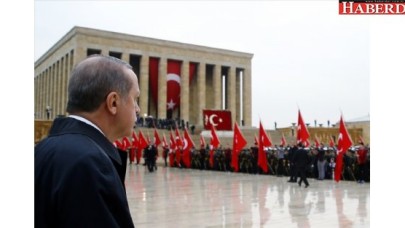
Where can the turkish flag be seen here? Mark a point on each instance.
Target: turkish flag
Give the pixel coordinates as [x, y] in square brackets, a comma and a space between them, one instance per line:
[302, 131]
[213, 144]
[133, 147]
[135, 142]
[344, 143]
[202, 141]
[156, 138]
[179, 140]
[173, 84]
[173, 149]
[238, 143]
[126, 143]
[264, 141]
[188, 145]
[283, 141]
[142, 141]
[118, 144]
[256, 141]
[220, 119]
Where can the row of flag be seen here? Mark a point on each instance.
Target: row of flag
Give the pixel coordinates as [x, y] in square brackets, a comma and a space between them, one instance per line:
[185, 143]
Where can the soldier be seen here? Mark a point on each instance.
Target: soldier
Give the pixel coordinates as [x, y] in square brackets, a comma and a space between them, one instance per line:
[280, 163]
[293, 169]
[165, 154]
[321, 163]
[361, 162]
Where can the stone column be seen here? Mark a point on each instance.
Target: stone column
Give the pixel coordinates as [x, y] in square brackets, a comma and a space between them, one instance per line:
[57, 88]
[36, 96]
[201, 93]
[51, 91]
[162, 88]
[231, 93]
[247, 96]
[144, 85]
[217, 86]
[185, 91]
[238, 102]
[45, 93]
[64, 84]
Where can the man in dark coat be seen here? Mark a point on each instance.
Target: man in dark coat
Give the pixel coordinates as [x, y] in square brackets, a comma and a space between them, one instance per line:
[150, 156]
[301, 160]
[293, 167]
[77, 167]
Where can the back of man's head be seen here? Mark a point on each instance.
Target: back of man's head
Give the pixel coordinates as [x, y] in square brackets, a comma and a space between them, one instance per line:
[93, 79]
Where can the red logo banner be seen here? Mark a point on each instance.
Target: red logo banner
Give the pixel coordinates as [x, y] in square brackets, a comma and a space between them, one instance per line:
[220, 119]
[372, 7]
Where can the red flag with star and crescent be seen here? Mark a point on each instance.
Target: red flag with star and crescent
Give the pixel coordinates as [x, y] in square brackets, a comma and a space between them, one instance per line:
[188, 145]
[173, 149]
[173, 84]
[179, 140]
[156, 138]
[213, 145]
[344, 143]
[142, 141]
[238, 143]
[134, 146]
[220, 119]
[264, 141]
[302, 131]
[173, 78]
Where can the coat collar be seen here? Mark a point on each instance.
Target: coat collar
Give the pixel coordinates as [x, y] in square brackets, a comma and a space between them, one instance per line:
[68, 125]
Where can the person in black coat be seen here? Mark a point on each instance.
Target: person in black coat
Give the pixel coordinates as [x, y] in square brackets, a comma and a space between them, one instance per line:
[293, 168]
[150, 156]
[301, 160]
[77, 167]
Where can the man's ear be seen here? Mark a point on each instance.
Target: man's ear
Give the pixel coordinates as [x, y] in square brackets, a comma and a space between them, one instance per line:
[112, 102]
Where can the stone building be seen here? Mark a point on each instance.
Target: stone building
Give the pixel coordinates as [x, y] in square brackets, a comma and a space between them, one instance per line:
[209, 78]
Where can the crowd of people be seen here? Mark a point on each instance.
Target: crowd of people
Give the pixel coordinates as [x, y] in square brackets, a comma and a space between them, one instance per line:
[317, 162]
[168, 124]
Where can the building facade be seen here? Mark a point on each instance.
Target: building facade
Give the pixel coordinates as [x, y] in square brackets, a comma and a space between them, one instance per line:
[203, 77]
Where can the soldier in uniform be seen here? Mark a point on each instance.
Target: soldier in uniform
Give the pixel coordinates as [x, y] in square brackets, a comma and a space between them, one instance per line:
[321, 163]
[280, 161]
[361, 162]
[166, 151]
[293, 169]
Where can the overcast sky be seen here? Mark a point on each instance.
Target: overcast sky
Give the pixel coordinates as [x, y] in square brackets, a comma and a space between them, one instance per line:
[305, 55]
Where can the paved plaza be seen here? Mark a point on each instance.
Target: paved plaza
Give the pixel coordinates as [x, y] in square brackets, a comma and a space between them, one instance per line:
[173, 197]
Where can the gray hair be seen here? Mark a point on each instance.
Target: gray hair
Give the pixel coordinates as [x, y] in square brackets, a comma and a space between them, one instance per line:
[93, 79]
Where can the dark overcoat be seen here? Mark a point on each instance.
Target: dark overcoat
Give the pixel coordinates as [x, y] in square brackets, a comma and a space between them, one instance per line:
[76, 179]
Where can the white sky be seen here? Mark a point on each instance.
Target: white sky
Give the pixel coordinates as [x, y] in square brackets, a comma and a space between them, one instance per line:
[305, 54]
[303, 45]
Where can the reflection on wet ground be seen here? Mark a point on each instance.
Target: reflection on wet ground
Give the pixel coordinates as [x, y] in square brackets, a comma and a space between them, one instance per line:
[172, 197]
